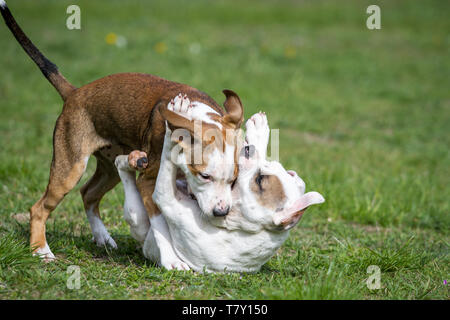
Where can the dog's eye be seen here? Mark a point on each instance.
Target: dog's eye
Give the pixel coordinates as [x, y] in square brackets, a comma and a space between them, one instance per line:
[258, 180]
[205, 176]
[249, 151]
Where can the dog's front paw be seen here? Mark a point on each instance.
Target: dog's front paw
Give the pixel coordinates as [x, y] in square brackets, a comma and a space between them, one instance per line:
[257, 131]
[45, 253]
[138, 160]
[175, 264]
[181, 105]
[104, 239]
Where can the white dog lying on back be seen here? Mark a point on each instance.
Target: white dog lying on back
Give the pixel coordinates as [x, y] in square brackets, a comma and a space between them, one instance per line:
[267, 202]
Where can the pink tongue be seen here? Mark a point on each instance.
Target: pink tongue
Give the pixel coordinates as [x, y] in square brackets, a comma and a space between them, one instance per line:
[295, 212]
[308, 199]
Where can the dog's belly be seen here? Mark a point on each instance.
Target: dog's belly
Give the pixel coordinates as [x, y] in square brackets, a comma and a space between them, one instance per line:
[205, 247]
[235, 253]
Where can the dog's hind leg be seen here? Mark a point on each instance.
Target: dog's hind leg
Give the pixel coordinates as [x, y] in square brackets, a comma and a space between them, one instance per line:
[104, 179]
[70, 156]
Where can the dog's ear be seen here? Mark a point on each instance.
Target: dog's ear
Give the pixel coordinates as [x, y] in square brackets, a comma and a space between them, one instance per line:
[176, 121]
[233, 106]
[181, 127]
[288, 218]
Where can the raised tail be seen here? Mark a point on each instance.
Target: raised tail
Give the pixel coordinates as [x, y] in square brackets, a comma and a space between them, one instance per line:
[47, 67]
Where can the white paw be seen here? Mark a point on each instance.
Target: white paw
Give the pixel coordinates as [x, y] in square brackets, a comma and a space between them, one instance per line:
[181, 105]
[101, 236]
[257, 131]
[45, 253]
[103, 239]
[175, 264]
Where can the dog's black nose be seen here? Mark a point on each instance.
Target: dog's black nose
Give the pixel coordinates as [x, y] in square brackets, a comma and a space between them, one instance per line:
[219, 212]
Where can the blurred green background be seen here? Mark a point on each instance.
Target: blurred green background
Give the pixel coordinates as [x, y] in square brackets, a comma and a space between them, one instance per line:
[363, 118]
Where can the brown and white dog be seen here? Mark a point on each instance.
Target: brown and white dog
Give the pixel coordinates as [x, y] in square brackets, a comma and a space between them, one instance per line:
[268, 201]
[115, 115]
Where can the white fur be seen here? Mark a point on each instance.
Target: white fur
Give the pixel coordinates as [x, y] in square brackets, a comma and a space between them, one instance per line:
[161, 239]
[153, 233]
[100, 235]
[200, 112]
[257, 133]
[45, 253]
[133, 209]
[3, 4]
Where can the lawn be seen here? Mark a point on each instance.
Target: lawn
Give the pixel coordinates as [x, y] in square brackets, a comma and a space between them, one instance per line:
[363, 116]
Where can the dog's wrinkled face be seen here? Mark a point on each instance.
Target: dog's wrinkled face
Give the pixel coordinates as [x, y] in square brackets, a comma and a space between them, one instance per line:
[274, 197]
[269, 191]
[208, 144]
[280, 196]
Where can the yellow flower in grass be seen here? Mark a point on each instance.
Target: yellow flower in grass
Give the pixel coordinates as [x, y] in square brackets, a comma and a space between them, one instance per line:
[111, 38]
[160, 47]
[290, 52]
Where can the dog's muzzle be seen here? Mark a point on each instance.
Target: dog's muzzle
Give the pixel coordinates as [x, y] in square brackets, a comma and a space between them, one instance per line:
[221, 212]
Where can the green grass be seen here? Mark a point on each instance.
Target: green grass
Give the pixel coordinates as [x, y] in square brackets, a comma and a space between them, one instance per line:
[363, 117]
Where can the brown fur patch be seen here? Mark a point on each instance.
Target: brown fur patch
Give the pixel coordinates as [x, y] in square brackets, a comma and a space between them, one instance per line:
[196, 168]
[268, 192]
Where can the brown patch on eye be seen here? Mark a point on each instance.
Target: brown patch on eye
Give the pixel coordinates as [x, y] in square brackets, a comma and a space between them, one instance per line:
[196, 168]
[268, 191]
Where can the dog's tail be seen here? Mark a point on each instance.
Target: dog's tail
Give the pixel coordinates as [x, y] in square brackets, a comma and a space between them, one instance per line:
[49, 69]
